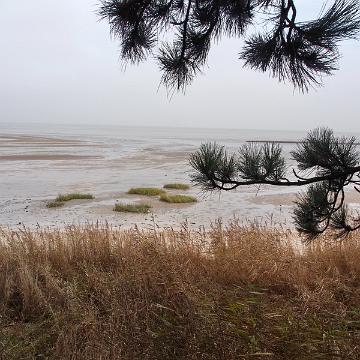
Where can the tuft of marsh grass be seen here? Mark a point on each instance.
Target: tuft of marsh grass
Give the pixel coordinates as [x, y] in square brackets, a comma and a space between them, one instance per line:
[132, 208]
[146, 191]
[177, 199]
[177, 186]
[97, 292]
[54, 204]
[73, 196]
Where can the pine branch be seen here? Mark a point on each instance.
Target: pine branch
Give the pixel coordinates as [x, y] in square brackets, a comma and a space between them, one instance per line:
[299, 52]
[335, 163]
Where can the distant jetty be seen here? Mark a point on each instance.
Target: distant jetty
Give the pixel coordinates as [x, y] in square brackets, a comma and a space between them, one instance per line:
[275, 141]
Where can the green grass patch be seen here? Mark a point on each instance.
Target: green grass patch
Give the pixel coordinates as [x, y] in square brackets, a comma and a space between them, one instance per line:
[74, 196]
[177, 199]
[177, 186]
[54, 204]
[146, 191]
[132, 208]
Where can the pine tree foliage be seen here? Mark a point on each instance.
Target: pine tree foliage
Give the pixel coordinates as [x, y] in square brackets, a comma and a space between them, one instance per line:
[300, 52]
[326, 165]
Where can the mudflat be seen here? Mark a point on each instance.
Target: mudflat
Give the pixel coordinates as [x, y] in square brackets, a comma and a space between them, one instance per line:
[37, 168]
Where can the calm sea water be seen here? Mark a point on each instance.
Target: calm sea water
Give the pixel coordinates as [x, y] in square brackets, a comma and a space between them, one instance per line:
[129, 138]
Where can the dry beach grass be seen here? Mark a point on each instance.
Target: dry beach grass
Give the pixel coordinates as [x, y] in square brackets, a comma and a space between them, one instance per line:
[96, 292]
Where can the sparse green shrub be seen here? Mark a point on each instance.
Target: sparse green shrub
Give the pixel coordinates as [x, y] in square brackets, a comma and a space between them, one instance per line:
[177, 186]
[132, 208]
[74, 196]
[146, 191]
[54, 204]
[177, 199]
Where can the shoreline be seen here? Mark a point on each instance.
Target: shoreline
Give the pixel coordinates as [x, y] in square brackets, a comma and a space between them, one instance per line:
[35, 170]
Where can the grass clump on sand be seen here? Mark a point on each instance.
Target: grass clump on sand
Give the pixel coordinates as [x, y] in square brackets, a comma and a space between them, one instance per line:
[177, 186]
[54, 204]
[146, 191]
[97, 292]
[177, 199]
[132, 208]
[74, 196]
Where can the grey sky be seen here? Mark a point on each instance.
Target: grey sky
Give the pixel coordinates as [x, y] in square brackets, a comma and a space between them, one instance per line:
[59, 65]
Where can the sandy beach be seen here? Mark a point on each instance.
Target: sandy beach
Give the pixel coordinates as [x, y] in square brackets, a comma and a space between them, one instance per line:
[36, 168]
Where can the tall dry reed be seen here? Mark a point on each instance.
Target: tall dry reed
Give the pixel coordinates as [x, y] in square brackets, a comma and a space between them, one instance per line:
[97, 292]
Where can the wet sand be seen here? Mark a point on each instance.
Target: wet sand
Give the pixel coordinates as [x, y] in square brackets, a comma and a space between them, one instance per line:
[37, 157]
[35, 169]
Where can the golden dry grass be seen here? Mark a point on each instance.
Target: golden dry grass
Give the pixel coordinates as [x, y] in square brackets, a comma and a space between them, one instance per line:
[231, 293]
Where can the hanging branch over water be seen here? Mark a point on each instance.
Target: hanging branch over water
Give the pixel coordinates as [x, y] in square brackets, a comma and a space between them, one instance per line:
[300, 52]
[326, 163]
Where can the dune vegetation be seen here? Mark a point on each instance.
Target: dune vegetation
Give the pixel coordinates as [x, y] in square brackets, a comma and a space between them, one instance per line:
[54, 204]
[132, 208]
[177, 199]
[177, 186]
[62, 198]
[147, 191]
[231, 292]
[74, 196]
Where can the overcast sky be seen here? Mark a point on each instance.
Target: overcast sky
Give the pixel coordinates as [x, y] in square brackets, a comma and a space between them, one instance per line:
[58, 64]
